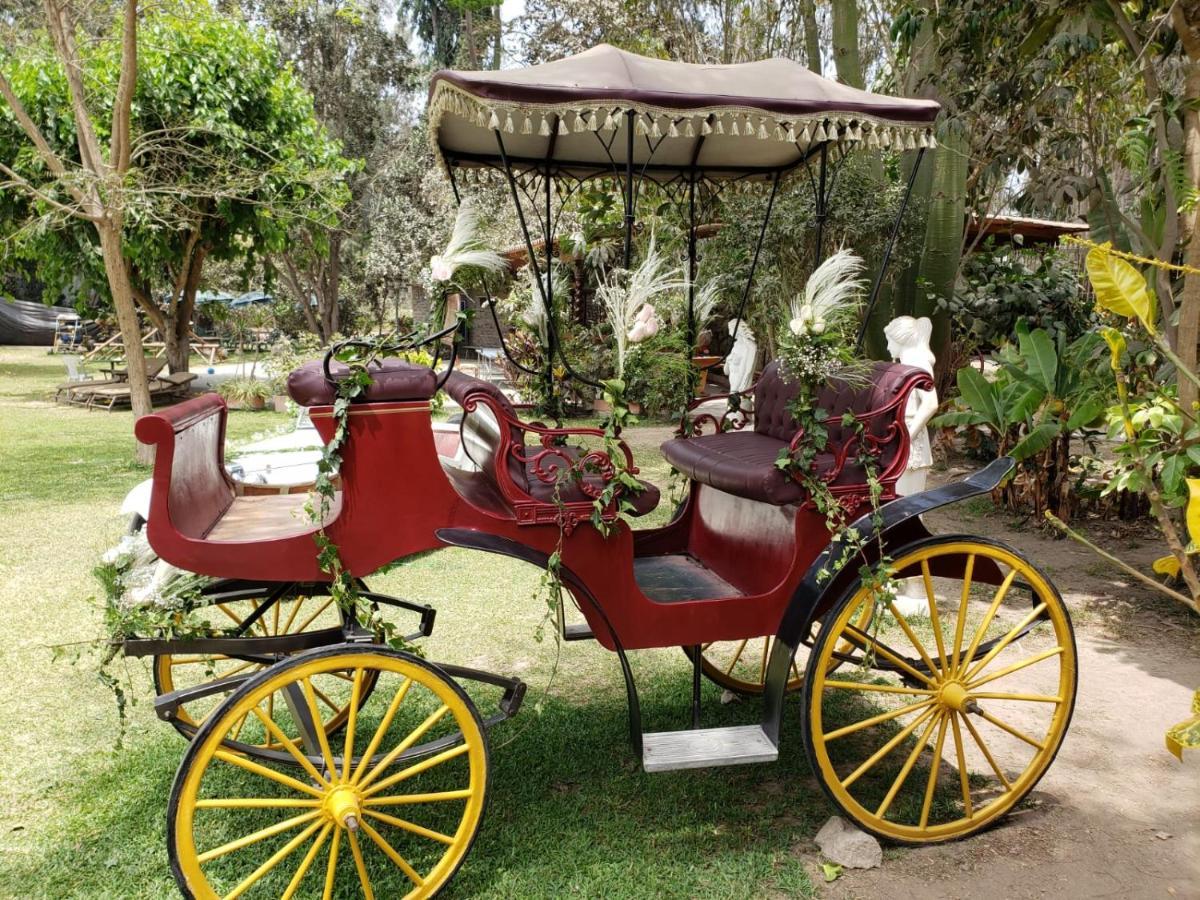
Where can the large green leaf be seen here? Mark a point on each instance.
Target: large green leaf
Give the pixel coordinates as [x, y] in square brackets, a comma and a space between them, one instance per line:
[1086, 412]
[980, 395]
[1040, 357]
[1119, 287]
[1037, 440]
[1019, 401]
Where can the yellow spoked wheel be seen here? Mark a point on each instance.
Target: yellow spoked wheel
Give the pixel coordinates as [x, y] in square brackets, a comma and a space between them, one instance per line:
[945, 713]
[389, 809]
[741, 666]
[293, 614]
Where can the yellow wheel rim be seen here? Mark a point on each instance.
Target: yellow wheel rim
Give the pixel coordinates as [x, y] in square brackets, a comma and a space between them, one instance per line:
[741, 666]
[946, 719]
[290, 615]
[390, 808]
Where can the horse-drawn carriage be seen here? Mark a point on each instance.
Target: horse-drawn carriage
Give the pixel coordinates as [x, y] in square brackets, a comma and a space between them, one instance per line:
[322, 761]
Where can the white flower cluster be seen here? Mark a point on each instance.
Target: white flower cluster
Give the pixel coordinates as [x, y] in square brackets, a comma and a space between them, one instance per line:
[808, 360]
[807, 322]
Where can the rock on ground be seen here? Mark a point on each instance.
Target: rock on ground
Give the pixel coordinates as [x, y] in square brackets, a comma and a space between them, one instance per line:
[845, 845]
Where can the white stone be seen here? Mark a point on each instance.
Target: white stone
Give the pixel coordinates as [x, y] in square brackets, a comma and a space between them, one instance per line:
[845, 845]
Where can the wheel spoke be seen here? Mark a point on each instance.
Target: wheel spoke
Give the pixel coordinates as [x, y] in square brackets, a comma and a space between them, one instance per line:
[762, 672]
[286, 743]
[432, 719]
[306, 863]
[1015, 667]
[286, 780]
[935, 619]
[237, 620]
[287, 626]
[318, 726]
[418, 768]
[254, 837]
[1001, 592]
[907, 768]
[193, 660]
[882, 688]
[867, 643]
[986, 753]
[912, 637]
[963, 604]
[384, 725]
[324, 698]
[324, 606]
[963, 775]
[934, 765]
[403, 799]
[395, 857]
[255, 803]
[1015, 732]
[279, 856]
[360, 866]
[889, 746]
[875, 720]
[351, 721]
[1001, 695]
[275, 610]
[1005, 641]
[412, 827]
[737, 656]
[331, 866]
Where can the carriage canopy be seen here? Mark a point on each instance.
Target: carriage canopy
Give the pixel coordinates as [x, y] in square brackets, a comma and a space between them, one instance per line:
[733, 121]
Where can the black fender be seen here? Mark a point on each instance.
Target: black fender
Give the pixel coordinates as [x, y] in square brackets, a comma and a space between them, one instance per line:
[898, 526]
[470, 539]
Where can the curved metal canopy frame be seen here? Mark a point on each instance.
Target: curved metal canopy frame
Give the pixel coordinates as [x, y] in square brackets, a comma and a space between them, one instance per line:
[625, 147]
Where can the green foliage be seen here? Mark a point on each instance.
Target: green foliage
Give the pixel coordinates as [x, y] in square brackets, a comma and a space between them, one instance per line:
[1001, 286]
[225, 143]
[657, 373]
[1044, 392]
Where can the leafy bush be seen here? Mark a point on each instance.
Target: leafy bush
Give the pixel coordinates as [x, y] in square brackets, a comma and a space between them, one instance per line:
[657, 373]
[1045, 391]
[1002, 286]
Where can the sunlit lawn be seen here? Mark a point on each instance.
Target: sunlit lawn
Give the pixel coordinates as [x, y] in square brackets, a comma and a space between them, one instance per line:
[570, 813]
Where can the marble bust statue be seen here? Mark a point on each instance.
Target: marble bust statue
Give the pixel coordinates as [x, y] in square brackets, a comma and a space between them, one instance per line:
[739, 365]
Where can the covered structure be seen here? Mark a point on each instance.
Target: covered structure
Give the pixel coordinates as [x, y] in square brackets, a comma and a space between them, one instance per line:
[691, 130]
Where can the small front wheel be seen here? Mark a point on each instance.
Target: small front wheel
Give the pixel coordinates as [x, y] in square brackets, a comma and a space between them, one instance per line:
[388, 809]
[942, 719]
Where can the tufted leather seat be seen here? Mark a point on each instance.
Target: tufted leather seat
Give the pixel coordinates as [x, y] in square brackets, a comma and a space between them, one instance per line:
[481, 436]
[392, 380]
[743, 462]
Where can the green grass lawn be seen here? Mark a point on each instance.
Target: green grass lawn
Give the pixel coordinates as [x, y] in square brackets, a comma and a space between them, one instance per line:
[570, 813]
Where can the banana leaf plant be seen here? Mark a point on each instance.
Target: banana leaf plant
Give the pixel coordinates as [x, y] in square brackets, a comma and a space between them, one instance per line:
[1043, 392]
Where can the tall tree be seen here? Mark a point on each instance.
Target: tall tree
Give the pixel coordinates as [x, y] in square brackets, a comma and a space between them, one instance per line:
[88, 188]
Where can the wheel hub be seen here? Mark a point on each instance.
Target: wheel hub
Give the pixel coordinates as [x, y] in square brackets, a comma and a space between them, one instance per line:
[344, 805]
[953, 695]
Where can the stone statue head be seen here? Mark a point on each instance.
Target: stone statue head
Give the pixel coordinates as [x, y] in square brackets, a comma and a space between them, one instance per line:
[908, 341]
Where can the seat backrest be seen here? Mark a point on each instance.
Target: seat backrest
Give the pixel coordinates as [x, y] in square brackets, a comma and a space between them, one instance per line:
[883, 388]
[481, 428]
[392, 380]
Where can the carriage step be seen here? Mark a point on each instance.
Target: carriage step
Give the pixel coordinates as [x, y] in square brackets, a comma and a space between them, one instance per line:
[580, 631]
[699, 748]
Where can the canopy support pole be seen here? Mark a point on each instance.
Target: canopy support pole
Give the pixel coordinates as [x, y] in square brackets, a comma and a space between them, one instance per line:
[629, 214]
[691, 249]
[548, 294]
[821, 209]
[758, 245]
[887, 252]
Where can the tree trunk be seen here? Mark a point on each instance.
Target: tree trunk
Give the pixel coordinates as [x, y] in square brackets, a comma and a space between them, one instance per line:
[812, 36]
[943, 244]
[1188, 333]
[131, 328]
[845, 42]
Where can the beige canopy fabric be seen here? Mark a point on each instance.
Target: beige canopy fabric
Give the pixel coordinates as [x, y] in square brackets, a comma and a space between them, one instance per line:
[730, 121]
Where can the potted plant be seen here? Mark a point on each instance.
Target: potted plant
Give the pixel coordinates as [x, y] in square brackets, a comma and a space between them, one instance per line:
[245, 393]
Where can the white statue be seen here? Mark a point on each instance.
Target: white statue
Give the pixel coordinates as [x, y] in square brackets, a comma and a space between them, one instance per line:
[739, 364]
[908, 343]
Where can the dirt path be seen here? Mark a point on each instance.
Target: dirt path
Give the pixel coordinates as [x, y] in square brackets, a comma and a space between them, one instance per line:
[1116, 815]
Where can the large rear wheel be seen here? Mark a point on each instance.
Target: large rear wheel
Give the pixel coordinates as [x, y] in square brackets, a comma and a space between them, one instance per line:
[390, 808]
[937, 725]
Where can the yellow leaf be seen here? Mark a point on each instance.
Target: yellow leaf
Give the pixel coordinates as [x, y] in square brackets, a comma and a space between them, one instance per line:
[1193, 511]
[1119, 287]
[1166, 565]
[1116, 345]
[1185, 735]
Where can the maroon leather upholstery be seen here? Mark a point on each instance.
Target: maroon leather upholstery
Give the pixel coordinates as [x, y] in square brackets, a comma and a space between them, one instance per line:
[743, 462]
[393, 379]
